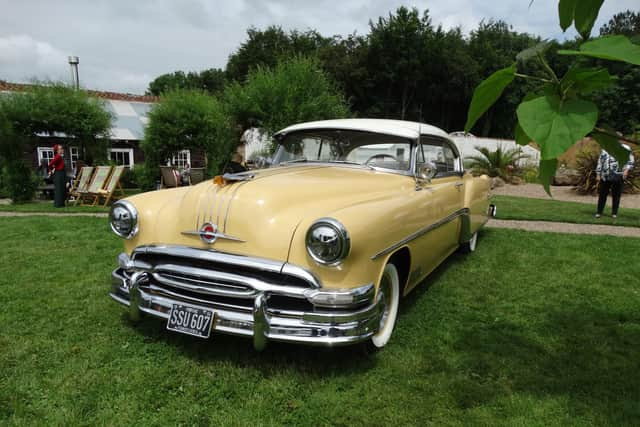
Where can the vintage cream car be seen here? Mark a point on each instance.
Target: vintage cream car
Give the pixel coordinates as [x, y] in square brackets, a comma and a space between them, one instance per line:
[315, 249]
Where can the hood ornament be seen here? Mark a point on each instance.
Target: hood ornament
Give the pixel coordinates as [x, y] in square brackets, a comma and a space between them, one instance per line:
[209, 234]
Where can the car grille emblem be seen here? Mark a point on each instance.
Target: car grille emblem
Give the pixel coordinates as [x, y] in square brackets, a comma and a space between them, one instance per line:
[209, 232]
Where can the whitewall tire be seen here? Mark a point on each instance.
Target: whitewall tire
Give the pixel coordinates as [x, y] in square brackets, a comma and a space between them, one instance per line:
[389, 297]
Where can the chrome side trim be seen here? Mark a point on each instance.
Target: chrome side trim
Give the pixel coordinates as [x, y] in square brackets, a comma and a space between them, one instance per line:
[217, 235]
[262, 264]
[464, 212]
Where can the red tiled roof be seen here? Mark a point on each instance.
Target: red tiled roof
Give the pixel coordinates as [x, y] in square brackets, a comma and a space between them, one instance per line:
[21, 87]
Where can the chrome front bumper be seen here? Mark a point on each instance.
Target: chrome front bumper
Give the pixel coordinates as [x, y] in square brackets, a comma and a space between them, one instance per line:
[286, 304]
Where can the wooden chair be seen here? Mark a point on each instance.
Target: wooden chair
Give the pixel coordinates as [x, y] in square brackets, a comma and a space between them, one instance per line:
[112, 185]
[81, 182]
[168, 177]
[98, 181]
[197, 175]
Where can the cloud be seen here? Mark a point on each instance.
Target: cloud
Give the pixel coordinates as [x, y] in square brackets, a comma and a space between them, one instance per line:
[124, 44]
[24, 58]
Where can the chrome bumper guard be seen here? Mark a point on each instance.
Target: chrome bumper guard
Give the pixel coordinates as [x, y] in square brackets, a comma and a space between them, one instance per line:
[243, 301]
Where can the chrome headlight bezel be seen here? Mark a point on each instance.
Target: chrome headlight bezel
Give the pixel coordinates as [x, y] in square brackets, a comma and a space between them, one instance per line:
[336, 229]
[132, 216]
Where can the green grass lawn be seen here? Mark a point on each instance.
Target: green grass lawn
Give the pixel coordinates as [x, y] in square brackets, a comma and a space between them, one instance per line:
[531, 329]
[47, 206]
[523, 208]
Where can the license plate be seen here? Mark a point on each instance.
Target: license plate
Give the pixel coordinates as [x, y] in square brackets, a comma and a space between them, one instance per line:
[191, 320]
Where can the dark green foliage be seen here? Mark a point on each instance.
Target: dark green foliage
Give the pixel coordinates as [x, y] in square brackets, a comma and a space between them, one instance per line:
[16, 178]
[625, 23]
[185, 120]
[18, 181]
[294, 91]
[211, 81]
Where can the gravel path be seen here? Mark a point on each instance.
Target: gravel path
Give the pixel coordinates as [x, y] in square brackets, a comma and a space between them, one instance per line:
[535, 191]
[565, 227]
[94, 214]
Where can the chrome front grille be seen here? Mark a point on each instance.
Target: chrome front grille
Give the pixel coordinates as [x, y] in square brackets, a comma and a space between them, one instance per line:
[203, 277]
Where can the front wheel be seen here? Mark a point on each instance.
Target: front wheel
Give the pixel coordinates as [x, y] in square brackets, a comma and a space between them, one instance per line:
[389, 297]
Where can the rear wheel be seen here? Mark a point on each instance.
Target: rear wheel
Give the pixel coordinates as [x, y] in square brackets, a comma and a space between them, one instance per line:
[389, 297]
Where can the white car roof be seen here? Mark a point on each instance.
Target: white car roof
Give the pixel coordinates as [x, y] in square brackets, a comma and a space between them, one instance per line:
[401, 128]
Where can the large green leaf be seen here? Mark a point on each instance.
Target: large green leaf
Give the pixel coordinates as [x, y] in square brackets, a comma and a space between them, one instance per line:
[547, 170]
[566, 10]
[521, 137]
[585, 80]
[612, 146]
[487, 93]
[614, 48]
[555, 125]
[585, 15]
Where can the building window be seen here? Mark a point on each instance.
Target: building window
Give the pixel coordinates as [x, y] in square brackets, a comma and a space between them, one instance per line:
[74, 152]
[121, 156]
[46, 154]
[181, 159]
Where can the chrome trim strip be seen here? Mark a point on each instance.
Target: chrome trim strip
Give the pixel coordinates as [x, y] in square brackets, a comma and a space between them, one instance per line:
[461, 212]
[261, 264]
[226, 215]
[217, 235]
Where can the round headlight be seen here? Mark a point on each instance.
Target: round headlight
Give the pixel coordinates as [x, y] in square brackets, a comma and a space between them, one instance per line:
[327, 241]
[123, 218]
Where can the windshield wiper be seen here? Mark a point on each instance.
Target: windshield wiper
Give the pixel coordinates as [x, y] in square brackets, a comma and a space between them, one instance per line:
[302, 160]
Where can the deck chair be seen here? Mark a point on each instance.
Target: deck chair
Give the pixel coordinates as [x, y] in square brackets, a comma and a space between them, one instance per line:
[113, 184]
[168, 177]
[98, 182]
[81, 182]
[197, 175]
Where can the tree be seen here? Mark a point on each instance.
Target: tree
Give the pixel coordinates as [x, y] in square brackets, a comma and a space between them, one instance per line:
[493, 45]
[625, 23]
[560, 112]
[55, 108]
[396, 49]
[294, 91]
[186, 119]
[211, 81]
[265, 48]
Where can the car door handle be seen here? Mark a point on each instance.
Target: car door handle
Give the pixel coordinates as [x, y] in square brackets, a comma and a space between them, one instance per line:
[459, 184]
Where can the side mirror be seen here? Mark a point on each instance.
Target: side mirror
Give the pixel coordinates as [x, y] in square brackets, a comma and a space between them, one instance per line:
[425, 172]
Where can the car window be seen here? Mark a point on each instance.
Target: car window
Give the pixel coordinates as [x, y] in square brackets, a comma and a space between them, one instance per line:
[440, 153]
[345, 146]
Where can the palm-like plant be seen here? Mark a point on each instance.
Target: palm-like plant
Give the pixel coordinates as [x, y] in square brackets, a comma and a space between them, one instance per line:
[500, 162]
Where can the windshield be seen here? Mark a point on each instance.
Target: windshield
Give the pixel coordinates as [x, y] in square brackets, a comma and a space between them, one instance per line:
[344, 146]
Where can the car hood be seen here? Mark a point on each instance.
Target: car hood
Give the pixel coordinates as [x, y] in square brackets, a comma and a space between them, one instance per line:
[260, 215]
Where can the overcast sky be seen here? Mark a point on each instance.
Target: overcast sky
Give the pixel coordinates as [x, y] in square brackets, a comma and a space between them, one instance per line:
[124, 44]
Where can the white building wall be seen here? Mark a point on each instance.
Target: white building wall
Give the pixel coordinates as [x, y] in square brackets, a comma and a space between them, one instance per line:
[467, 147]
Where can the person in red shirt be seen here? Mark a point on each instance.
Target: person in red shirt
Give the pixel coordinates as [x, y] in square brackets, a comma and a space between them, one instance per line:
[56, 168]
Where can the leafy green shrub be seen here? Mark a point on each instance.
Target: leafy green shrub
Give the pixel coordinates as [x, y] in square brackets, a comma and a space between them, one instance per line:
[19, 182]
[530, 174]
[186, 120]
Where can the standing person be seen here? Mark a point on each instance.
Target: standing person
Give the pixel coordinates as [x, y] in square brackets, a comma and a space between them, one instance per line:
[611, 177]
[56, 167]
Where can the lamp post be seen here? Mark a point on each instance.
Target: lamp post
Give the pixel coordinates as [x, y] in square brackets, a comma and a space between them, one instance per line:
[75, 81]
